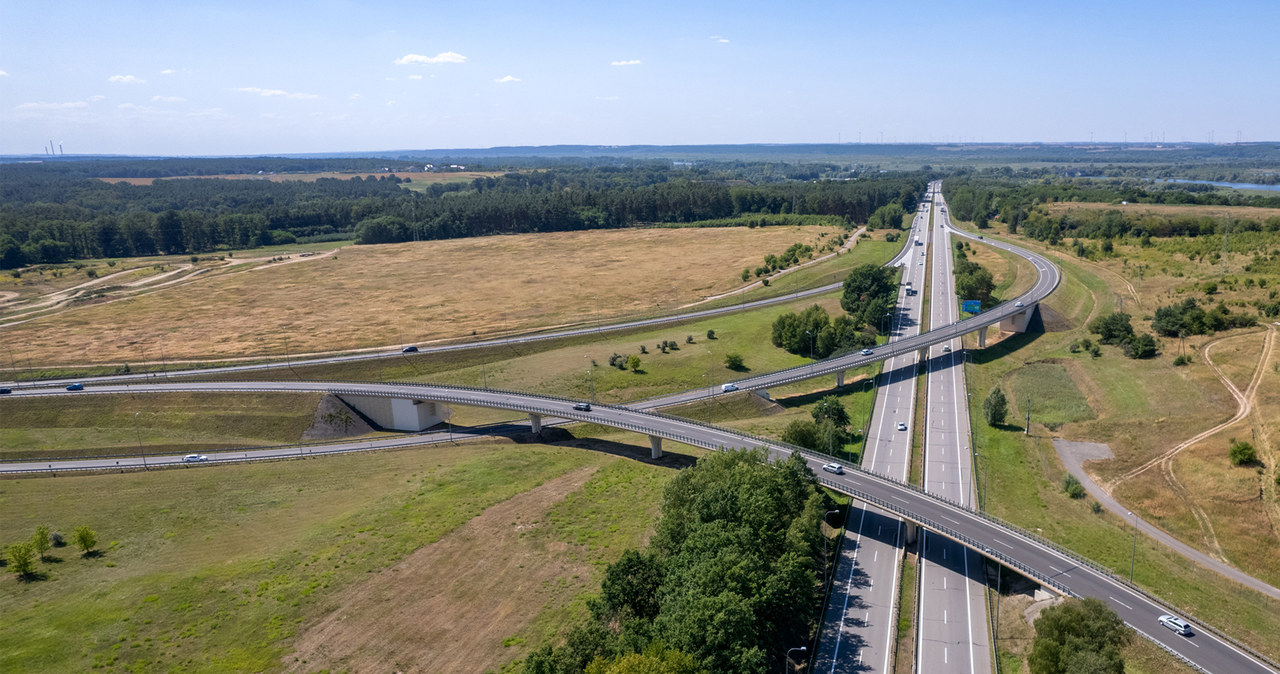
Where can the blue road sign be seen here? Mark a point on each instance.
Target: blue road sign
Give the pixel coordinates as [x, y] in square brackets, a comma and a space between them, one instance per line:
[971, 306]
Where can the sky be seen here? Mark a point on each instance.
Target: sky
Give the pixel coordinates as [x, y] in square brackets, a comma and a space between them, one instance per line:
[250, 78]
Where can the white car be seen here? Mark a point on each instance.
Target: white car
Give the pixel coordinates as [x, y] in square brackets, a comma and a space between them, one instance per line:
[195, 458]
[1017, 304]
[946, 349]
[1176, 624]
[728, 388]
[902, 426]
[833, 468]
[866, 352]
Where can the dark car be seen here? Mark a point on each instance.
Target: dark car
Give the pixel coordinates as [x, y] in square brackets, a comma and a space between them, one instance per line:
[409, 349]
[76, 387]
[582, 407]
[4, 391]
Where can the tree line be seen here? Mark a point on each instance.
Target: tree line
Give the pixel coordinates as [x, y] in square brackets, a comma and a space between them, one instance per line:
[49, 216]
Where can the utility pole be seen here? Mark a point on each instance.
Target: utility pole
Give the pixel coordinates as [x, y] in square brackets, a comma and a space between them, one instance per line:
[1027, 430]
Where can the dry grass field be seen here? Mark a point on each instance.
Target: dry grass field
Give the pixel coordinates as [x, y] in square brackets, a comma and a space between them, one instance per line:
[366, 296]
[1244, 212]
[423, 178]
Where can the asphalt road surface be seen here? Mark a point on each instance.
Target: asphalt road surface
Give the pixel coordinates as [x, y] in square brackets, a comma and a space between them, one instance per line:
[858, 626]
[953, 632]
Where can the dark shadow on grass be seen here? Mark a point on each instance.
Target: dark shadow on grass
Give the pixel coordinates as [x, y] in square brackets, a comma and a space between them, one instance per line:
[93, 554]
[802, 399]
[48, 559]
[635, 452]
[1004, 347]
[33, 577]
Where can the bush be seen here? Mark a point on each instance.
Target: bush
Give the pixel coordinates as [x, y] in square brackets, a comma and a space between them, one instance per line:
[734, 362]
[995, 407]
[688, 339]
[711, 334]
[1242, 453]
[1072, 486]
[1095, 507]
[86, 539]
[1182, 360]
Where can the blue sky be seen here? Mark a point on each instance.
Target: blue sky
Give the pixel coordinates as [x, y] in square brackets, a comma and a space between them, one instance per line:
[233, 77]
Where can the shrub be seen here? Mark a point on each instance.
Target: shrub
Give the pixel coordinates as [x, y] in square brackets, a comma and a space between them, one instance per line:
[22, 559]
[1095, 507]
[688, 339]
[711, 334]
[734, 362]
[1182, 360]
[1072, 486]
[995, 407]
[1242, 453]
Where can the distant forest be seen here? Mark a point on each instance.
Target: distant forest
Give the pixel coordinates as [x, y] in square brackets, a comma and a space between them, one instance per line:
[1010, 199]
[57, 211]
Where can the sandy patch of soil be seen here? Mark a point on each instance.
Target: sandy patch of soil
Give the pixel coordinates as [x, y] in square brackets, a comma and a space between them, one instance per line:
[448, 606]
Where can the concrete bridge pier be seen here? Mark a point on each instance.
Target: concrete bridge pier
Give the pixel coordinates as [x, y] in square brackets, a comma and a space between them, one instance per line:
[398, 414]
[535, 423]
[840, 378]
[982, 337]
[912, 532]
[1019, 321]
[655, 447]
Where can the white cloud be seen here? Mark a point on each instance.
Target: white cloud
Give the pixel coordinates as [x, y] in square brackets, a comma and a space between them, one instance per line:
[37, 107]
[278, 92]
[717, 38]
[126, 79]
[415, 77]
[633, 62]
[95, 99]
[168, 99]
[390, 103]
[3, 74]
[508, 78]
[168, 71]
[353, 97]
[607, 98]
[442, 57]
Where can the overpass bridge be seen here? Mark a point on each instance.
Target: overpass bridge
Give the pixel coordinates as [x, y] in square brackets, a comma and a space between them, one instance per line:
[1050, 565]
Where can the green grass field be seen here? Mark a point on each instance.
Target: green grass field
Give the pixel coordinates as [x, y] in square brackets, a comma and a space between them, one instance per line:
[217, 570]
[71, 426]
[1141, 406]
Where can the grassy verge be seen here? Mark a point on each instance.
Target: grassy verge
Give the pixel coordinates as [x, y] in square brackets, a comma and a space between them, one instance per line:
[904, 660]
[216, 570]
[71, 426]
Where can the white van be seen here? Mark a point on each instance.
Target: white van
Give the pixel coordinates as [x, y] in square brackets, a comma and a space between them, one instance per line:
[728, 388]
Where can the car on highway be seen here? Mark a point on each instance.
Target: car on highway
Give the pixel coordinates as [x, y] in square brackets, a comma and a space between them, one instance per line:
[5, 391]
[1017, 304]
[728, 388]
[75, 387]
[1176, 624]
[867, 352]
[195, 458]
[902, 426]
[582, 407]
[409, 349]
[946, 349]
[833, 468]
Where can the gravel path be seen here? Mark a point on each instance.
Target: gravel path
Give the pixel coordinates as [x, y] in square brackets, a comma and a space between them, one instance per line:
[1074, 454]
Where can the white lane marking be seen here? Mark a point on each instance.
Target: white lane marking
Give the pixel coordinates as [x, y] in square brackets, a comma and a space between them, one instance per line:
[1120, 602]
[1003, 543]
[948, 519]
[857, 543]
[1188, 640]
[944, 617]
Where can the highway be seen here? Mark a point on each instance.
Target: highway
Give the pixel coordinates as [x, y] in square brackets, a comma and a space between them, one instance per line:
[1038, 559]
[858, 626]
[953, 631]
[1048, 564]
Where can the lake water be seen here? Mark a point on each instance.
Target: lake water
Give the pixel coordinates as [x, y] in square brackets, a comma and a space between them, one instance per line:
[1239, 186]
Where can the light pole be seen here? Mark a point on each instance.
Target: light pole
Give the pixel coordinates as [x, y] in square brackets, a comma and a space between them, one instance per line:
[802, 649]
[826, 562]
[591, 374]
[139, 434]
[1133, 555]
